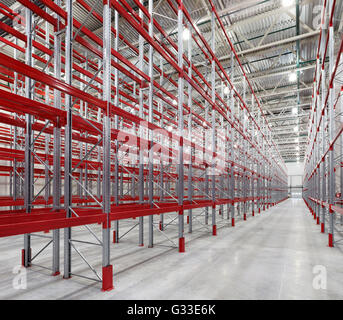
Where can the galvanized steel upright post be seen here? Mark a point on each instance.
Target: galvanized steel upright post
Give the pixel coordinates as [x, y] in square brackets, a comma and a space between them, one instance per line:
[323, 130]
[68, 139]
[107, 272]
[232, 150]
[151, 118]
[190, 123]
[244, 181]
[116, 126]
[331, 118]
[141, 135]
[213, 124]
[56, 184]
[180, 184]
[28, 193]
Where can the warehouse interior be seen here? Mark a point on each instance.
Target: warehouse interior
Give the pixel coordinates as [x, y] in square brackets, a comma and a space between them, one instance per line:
[171, 149]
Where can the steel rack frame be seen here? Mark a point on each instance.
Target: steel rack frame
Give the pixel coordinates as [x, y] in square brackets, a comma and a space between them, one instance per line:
[130, 130]
[323, 179]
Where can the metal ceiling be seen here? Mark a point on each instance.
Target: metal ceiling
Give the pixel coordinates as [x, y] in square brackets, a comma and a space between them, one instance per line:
[265, 35]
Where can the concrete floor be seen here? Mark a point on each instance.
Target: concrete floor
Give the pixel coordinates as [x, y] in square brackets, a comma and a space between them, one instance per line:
[271, 256]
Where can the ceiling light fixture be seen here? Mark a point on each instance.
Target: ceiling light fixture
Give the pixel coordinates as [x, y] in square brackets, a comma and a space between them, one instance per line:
[287, 3]
[292, 77]
[186, 34]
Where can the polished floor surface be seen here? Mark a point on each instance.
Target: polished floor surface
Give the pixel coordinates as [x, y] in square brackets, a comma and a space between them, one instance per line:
[279, 254]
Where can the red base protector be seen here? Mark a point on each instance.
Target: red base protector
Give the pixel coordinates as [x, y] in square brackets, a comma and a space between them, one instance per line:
[245, 217]
[107, 278]
[259, 210]
[57, 273]
[264, 208]
[317, 220]
[187, 219]
[322, 229]
[23, 257]
[330, 240]
[314, 216]
[182, 244]
[214, 230]
[233, 222]
[114, 236]
[160, 225]
[141, 245]
[253, 213]
[220, 212]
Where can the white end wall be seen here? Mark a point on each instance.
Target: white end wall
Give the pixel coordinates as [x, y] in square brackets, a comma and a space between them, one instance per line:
[295, 168]
[295, 178]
